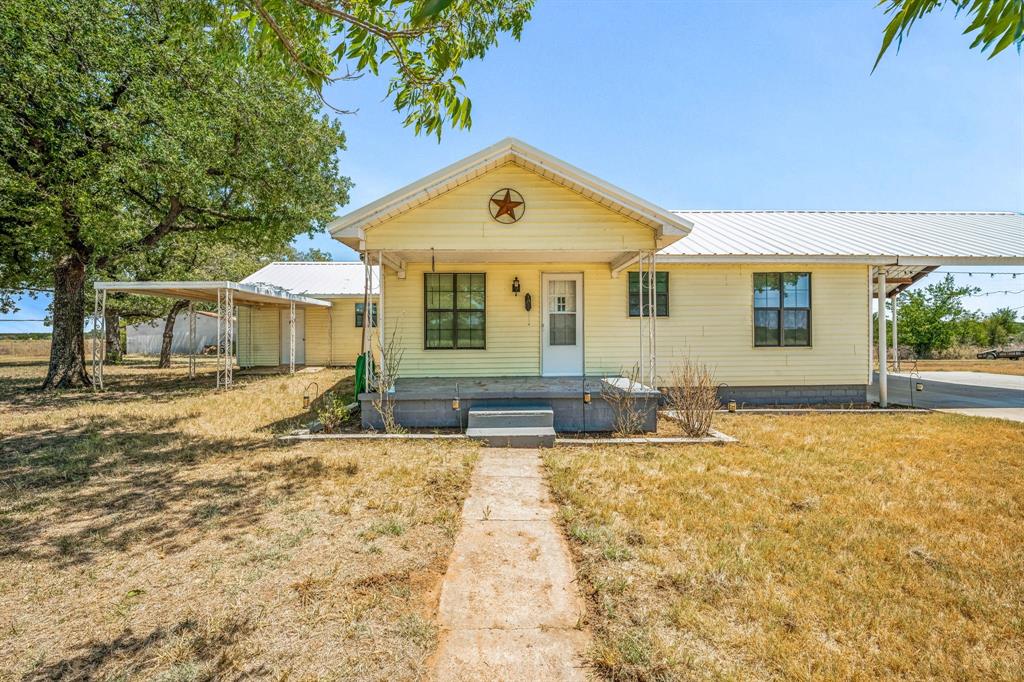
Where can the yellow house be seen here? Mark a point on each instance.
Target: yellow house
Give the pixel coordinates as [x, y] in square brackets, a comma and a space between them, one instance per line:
[512, 275]
[519, 286]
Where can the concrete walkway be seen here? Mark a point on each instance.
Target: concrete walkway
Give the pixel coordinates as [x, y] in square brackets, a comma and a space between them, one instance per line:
[509, 606]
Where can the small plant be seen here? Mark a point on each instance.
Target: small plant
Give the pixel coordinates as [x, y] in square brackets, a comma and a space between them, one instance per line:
[391, 527]
[627, 409]
[693, 397]
[333, 413]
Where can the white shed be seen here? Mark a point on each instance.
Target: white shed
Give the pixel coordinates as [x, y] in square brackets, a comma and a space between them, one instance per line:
[145, 338]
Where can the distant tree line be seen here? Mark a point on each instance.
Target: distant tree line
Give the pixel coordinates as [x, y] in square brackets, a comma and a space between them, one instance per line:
[934, 319]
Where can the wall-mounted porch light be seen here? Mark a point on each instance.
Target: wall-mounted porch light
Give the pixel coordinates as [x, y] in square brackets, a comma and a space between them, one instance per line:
[515, 286]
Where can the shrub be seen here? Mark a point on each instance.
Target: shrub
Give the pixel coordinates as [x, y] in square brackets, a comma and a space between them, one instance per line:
[693, 396]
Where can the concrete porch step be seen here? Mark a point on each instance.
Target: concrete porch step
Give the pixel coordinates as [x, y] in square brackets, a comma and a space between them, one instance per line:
[524, 415]
[514, 436]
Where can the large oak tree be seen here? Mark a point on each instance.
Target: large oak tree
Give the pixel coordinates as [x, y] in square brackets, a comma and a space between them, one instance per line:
[123, 124]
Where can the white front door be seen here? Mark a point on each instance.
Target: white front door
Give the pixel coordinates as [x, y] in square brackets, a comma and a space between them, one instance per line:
[300, 336]
[562, 325]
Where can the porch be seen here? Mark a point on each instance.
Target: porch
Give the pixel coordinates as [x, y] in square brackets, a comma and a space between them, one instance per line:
[579, 403]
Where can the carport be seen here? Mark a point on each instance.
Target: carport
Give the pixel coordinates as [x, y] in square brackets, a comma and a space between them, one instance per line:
[227, 295]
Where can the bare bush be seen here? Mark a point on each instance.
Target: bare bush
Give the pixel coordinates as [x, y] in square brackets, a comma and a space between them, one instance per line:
[391, 355]
[693, 397]
[620, 394]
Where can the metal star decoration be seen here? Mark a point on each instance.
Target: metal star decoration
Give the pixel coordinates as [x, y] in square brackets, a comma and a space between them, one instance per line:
[506, 208]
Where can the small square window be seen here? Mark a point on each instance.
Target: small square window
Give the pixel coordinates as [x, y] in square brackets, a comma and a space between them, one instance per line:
[360, 309]
[636, 295]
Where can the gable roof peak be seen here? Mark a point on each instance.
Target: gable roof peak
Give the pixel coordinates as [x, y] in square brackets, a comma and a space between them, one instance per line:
[667, 225]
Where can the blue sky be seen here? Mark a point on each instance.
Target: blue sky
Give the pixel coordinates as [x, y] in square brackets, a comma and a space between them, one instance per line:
[716, 105]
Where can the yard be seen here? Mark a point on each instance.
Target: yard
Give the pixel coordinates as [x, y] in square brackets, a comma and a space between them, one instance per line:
[158, 531]
[820, 546]
[1014, 367]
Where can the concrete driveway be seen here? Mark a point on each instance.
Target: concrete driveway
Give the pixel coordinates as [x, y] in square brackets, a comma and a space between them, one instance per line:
[973, 393]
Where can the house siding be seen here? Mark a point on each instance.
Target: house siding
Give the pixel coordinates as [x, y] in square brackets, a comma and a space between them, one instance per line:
[710, 320]
[257, 336]
[331, 335]
[556, 219]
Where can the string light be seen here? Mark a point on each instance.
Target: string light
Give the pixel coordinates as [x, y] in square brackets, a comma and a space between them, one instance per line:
[971, 273]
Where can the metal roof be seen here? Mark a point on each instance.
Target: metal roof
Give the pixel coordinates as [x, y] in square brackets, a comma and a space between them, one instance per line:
[880, 237]
[207, 291]
[349, 228]
[314, 278]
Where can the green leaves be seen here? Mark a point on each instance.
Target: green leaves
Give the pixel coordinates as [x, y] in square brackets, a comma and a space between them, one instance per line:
[998, 23]
[140, 139]
[428, 10]
[418, 45]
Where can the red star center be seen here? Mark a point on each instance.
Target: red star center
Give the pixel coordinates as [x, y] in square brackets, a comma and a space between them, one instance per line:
[506, 206]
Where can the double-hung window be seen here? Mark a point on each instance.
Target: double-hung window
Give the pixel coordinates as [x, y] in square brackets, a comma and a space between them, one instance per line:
[782, 309]
[360, 309]
[641, 295]
[454, 310]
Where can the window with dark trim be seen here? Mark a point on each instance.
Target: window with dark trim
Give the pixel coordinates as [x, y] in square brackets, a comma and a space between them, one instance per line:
[782, 309]
[359, 314]
[636, 294]
[454, 310]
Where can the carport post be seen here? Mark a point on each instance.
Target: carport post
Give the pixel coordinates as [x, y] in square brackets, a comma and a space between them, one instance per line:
[99, 317]
[291, 337]
[191, 340]
[883, 383]
[229, 345]
[219, 339]
[895, 338]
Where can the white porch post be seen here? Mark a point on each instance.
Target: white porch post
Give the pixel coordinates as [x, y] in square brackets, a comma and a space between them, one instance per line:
[895, 337]
[191, 340]
[871, 325]
[640, 320]
[652, 321]
[291, 337]
[368, 317]
[380, 315]
[883, 379]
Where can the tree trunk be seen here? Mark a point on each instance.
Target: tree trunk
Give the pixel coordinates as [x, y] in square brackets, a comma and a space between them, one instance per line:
[165, 346]
[67, 349]
[112, 322]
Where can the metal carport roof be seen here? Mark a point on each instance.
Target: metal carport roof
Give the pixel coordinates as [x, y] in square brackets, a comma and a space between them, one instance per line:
[247, 294]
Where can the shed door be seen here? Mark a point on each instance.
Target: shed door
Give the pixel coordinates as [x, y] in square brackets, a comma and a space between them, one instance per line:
[562, 325]
[300, 336]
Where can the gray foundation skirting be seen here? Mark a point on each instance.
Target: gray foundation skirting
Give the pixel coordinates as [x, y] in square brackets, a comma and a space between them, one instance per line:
[795, 395]
[572, 415]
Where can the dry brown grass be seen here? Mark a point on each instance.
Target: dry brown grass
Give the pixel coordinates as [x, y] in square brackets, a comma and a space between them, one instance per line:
[25, 348]
[1014, 367]
[819, 547]
[158, 531]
